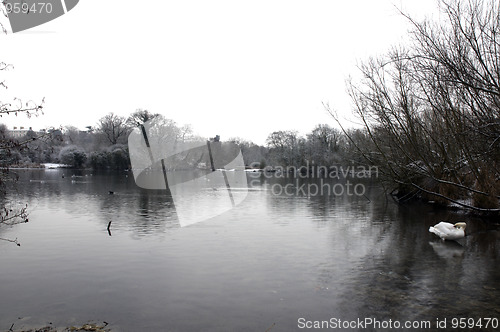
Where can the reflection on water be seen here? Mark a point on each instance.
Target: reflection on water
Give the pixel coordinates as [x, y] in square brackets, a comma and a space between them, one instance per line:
[272, 260]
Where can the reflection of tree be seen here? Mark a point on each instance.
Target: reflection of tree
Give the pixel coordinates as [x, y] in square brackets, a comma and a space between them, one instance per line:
[130, 208]
[155, 212]
[382, 264]
[404, 277]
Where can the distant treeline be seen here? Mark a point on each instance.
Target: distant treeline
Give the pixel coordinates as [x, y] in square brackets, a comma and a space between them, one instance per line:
[105, 145]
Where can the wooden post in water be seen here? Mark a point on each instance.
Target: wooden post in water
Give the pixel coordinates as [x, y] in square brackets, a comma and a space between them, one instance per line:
[164, 170]
[210, 155]
[224, 175]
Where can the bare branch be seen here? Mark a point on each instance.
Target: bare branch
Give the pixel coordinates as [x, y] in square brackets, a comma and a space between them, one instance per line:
[12, 241]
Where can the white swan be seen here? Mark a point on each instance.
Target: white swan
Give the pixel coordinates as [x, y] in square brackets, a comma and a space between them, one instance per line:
[447, 231]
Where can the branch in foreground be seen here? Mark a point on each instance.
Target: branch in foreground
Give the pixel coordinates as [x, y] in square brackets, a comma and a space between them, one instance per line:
[451, 200]
[11, 217]
[13, 241]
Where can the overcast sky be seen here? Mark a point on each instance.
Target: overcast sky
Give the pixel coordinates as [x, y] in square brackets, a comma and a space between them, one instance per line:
[233, 68]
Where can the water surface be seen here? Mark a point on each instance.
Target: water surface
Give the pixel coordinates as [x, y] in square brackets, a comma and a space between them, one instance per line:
[263, 265]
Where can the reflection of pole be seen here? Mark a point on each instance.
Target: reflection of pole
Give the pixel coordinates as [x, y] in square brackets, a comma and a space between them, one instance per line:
[224, 175]
[228, 187]
[145, 135]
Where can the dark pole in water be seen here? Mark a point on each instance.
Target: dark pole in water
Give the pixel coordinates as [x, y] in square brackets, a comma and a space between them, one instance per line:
[226, 181]
[210, 155]
[164, 170]
[145, 135]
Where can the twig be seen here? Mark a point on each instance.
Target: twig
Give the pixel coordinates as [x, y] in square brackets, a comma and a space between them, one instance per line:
[11, 217]
[270, 327]
[13, 241]
[454, 201]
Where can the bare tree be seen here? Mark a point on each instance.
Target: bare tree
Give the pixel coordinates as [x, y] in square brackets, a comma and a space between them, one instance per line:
[140, 116]
[324, 145]
[9, 214]
[185, 133]
[432, 109]
[253, 154]
[3, 17]
[114, 128]
[286, 148]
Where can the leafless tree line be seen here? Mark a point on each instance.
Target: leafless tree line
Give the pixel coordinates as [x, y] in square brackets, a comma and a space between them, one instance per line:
[431, 110]
[323, 145]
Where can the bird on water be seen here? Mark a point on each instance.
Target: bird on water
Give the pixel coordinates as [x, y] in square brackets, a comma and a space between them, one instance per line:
[447, 231]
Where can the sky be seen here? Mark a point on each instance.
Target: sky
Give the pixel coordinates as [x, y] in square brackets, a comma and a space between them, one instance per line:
[232, 68]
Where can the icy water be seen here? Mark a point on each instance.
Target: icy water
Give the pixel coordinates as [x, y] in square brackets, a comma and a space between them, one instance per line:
[276, 262]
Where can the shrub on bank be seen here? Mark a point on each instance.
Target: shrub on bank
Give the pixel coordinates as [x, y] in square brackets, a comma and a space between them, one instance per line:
[73, 156]
[115, 157]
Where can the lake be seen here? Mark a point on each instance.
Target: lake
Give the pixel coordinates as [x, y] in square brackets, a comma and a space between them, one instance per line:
[276, 262]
